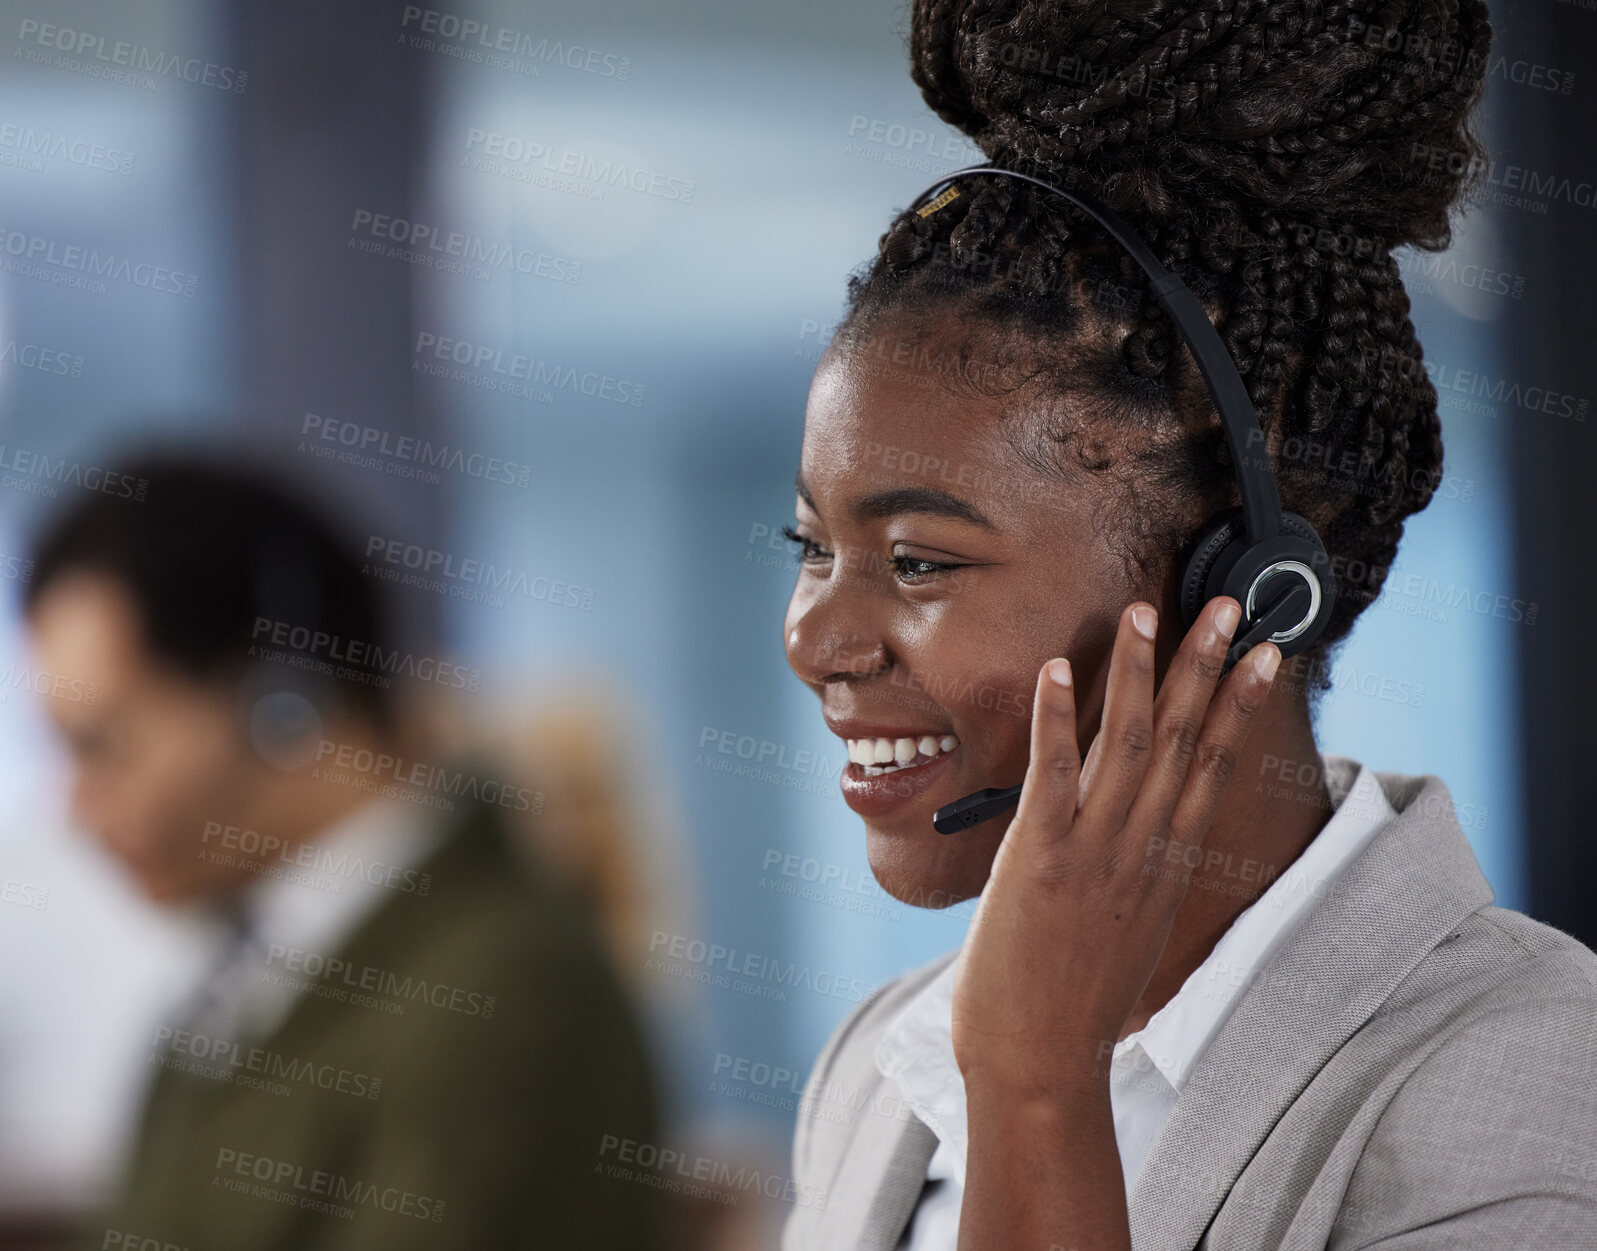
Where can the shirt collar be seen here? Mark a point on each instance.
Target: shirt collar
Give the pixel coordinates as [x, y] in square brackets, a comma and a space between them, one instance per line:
[1177, 1035]
[312, 897]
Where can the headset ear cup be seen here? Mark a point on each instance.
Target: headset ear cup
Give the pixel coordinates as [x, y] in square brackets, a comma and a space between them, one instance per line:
[1221, 556]
[1204, 566]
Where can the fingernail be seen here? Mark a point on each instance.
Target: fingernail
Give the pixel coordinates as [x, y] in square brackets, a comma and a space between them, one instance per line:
[1265, 663]
[1225, 619]
[1145, 620]
[1059, 672]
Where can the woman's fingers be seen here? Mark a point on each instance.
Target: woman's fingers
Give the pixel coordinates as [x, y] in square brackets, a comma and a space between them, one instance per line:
[1155, 765]
[1119, 756]
[1048, 796]
[1220, 742]
[1181, 708]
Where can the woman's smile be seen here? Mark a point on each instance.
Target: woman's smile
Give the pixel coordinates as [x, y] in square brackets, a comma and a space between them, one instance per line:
[891, 766]
[877, 755]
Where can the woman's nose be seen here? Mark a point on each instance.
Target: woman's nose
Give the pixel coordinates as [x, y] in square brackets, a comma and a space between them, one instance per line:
[825, 642]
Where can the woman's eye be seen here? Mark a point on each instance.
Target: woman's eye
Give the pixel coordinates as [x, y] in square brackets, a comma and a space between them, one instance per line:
[809, 551]
[914, 569]
[910, 570]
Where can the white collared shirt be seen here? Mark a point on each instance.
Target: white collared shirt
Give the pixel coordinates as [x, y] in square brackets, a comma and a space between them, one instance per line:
[1148, 1068]
[307, 900]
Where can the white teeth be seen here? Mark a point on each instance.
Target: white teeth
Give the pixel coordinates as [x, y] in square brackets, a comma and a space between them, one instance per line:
[877, 756]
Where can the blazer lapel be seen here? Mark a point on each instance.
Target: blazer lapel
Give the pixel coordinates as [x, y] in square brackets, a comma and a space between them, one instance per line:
[1392, 904]
[885, 1165]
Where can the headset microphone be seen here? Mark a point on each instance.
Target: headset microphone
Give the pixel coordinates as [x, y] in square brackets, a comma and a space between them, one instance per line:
[1269, 560]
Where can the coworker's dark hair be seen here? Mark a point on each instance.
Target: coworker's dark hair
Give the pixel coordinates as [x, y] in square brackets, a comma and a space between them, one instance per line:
[206, 552]
[1273, 154]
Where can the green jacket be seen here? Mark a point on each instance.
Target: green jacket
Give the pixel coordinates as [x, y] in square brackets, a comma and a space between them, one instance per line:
[457, 1082]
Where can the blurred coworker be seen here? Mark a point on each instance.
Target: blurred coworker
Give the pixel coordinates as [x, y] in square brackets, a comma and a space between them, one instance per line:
[410, 1037]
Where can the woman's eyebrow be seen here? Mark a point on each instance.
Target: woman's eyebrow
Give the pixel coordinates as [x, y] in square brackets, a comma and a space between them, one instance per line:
[898, 500]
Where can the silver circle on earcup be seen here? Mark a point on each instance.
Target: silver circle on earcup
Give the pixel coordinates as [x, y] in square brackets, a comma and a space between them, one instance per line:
[1304, 572]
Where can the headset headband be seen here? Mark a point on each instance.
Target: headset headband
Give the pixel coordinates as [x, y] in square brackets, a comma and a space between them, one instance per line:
[1261, 504]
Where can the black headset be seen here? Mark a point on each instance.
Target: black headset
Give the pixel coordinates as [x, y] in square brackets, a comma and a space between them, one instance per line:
[1268, 560]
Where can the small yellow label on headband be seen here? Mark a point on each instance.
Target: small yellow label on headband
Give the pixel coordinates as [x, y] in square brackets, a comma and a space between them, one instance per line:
[951, 194]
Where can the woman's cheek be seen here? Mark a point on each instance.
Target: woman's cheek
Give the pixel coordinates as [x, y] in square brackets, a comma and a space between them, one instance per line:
[998, 709]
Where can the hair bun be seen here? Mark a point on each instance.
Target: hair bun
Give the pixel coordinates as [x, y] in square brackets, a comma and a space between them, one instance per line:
[1348, 113]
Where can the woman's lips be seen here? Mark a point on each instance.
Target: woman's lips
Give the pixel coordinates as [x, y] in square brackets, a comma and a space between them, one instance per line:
[876, 794]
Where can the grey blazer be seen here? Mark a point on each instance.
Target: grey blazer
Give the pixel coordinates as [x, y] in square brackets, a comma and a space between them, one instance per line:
[1415, 1070]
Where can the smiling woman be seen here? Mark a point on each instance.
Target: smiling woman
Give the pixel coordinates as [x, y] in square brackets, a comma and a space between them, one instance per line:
[1205, 998]
[923, 581]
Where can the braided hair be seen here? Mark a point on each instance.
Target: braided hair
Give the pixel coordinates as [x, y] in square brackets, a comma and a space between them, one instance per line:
[1273, 155]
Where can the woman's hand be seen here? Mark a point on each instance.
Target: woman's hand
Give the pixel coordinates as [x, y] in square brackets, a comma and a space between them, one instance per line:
[1076, 914]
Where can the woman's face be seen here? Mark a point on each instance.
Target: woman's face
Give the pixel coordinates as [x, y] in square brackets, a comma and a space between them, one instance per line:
[939, 572]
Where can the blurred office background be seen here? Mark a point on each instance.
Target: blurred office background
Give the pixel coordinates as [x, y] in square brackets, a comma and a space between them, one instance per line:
[322, 225]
